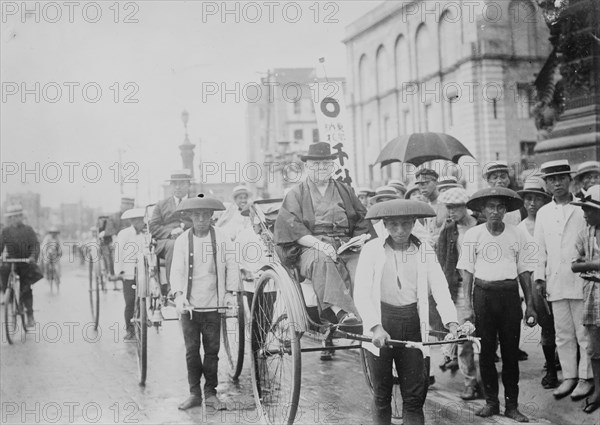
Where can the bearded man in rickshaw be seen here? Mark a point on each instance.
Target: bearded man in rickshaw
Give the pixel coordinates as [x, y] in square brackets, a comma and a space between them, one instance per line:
[316, 218]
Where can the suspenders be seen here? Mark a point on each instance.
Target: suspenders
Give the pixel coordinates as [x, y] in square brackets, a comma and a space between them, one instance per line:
[213, 242]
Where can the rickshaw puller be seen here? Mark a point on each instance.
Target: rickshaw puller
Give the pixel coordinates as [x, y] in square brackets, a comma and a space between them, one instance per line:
[393, 279]
[203, 271]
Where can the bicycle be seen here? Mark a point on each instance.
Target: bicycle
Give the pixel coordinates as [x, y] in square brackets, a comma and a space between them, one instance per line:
[98, 275]
[52, 276]
[13, 306]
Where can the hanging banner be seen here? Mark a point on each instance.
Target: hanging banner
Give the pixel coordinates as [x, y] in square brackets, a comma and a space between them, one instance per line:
[330, 109]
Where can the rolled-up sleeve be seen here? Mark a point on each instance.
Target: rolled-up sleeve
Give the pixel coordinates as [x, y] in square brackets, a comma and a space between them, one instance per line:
[364, 294]
[466, 259]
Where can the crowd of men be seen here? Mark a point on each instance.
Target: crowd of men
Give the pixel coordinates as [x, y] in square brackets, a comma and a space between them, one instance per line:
[500, 256]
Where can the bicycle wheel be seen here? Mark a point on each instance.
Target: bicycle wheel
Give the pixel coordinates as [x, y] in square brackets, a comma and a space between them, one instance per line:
[140, 324]
[94, 290]
[233, 330]
[275, 352]
[396, 395]
[10, 314]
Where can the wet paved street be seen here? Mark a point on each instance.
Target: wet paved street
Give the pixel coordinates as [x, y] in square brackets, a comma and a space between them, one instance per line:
[65, 372]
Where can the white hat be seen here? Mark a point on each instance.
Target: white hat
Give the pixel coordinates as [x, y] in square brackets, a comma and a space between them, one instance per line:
[238, 190]
[133, 213]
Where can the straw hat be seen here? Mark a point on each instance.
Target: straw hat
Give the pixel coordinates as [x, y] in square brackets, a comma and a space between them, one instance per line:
[400, 208]
[512, 199]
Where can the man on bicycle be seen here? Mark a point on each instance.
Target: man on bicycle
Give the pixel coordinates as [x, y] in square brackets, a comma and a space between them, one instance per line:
[166, 223]
[21, 242]
[51, 253]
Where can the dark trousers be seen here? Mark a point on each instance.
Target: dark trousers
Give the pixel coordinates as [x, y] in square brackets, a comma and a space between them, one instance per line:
[401, 323]
[498, 314]
[28, 275]
[205, 326]
[164, 249]
[545, 319]
[129, 296]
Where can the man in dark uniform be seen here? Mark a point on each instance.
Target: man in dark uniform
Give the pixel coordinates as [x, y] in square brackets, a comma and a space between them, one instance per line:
[21, 242]
[317, 216]
[166, 223]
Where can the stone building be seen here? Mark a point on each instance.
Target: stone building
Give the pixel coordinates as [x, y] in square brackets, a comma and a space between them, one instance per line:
[462, 68]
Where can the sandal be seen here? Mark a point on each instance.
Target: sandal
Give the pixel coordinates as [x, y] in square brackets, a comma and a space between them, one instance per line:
[591, 407]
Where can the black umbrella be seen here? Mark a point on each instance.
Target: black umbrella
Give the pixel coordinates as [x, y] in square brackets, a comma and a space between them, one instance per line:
[418, 148]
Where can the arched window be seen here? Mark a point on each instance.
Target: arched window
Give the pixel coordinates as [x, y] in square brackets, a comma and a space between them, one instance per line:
[402, 60]
[522, 16]
[426, 57]
[382, 70]
[363, 78]
[450, 40]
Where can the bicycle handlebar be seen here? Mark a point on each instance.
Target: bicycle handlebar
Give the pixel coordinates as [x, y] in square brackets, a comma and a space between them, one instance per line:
[14, 260]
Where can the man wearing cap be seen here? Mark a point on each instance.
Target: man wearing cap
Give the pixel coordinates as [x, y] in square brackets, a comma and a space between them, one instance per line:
[110, 231]
[399, 186]
[495, 257]
[535, 197]
[426, 180]
[447, 182]
[51, 252]
[203, 273]
[232, 221]
[587, 175]
[497, 175]
[129, 258]
[448, 248]
[167, 223]
[316, 218]
[588, 263]
[394, 277]
[363, 194]
[557, 226]
[21, 242]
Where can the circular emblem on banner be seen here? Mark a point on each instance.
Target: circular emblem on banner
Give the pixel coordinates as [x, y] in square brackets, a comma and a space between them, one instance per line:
[325, 107]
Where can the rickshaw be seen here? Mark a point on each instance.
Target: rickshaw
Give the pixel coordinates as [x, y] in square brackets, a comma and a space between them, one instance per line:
[151, 302]
[97, 271]
[278, 320]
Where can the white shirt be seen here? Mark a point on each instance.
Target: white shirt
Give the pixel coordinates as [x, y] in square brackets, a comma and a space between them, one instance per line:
[493, 258]
[556, 230]
[204, 278]
[429, 279]
[399, 280]
[129, 252]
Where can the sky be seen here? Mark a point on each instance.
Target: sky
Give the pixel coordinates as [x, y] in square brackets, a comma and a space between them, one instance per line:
[85, 85]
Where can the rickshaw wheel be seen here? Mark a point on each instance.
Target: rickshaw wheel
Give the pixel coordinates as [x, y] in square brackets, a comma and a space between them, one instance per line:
[140, 326]
[233, 330]
[275, 342]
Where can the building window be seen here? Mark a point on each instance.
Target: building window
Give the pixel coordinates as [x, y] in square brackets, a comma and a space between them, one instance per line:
[452, 99]
[297, 107]
[527, 154]
[426, 117]
[524, 101]
[315, 134]
[298, 135]
[405, 121]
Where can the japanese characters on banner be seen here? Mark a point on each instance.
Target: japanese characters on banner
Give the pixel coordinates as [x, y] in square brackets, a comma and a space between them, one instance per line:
[331, 120]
